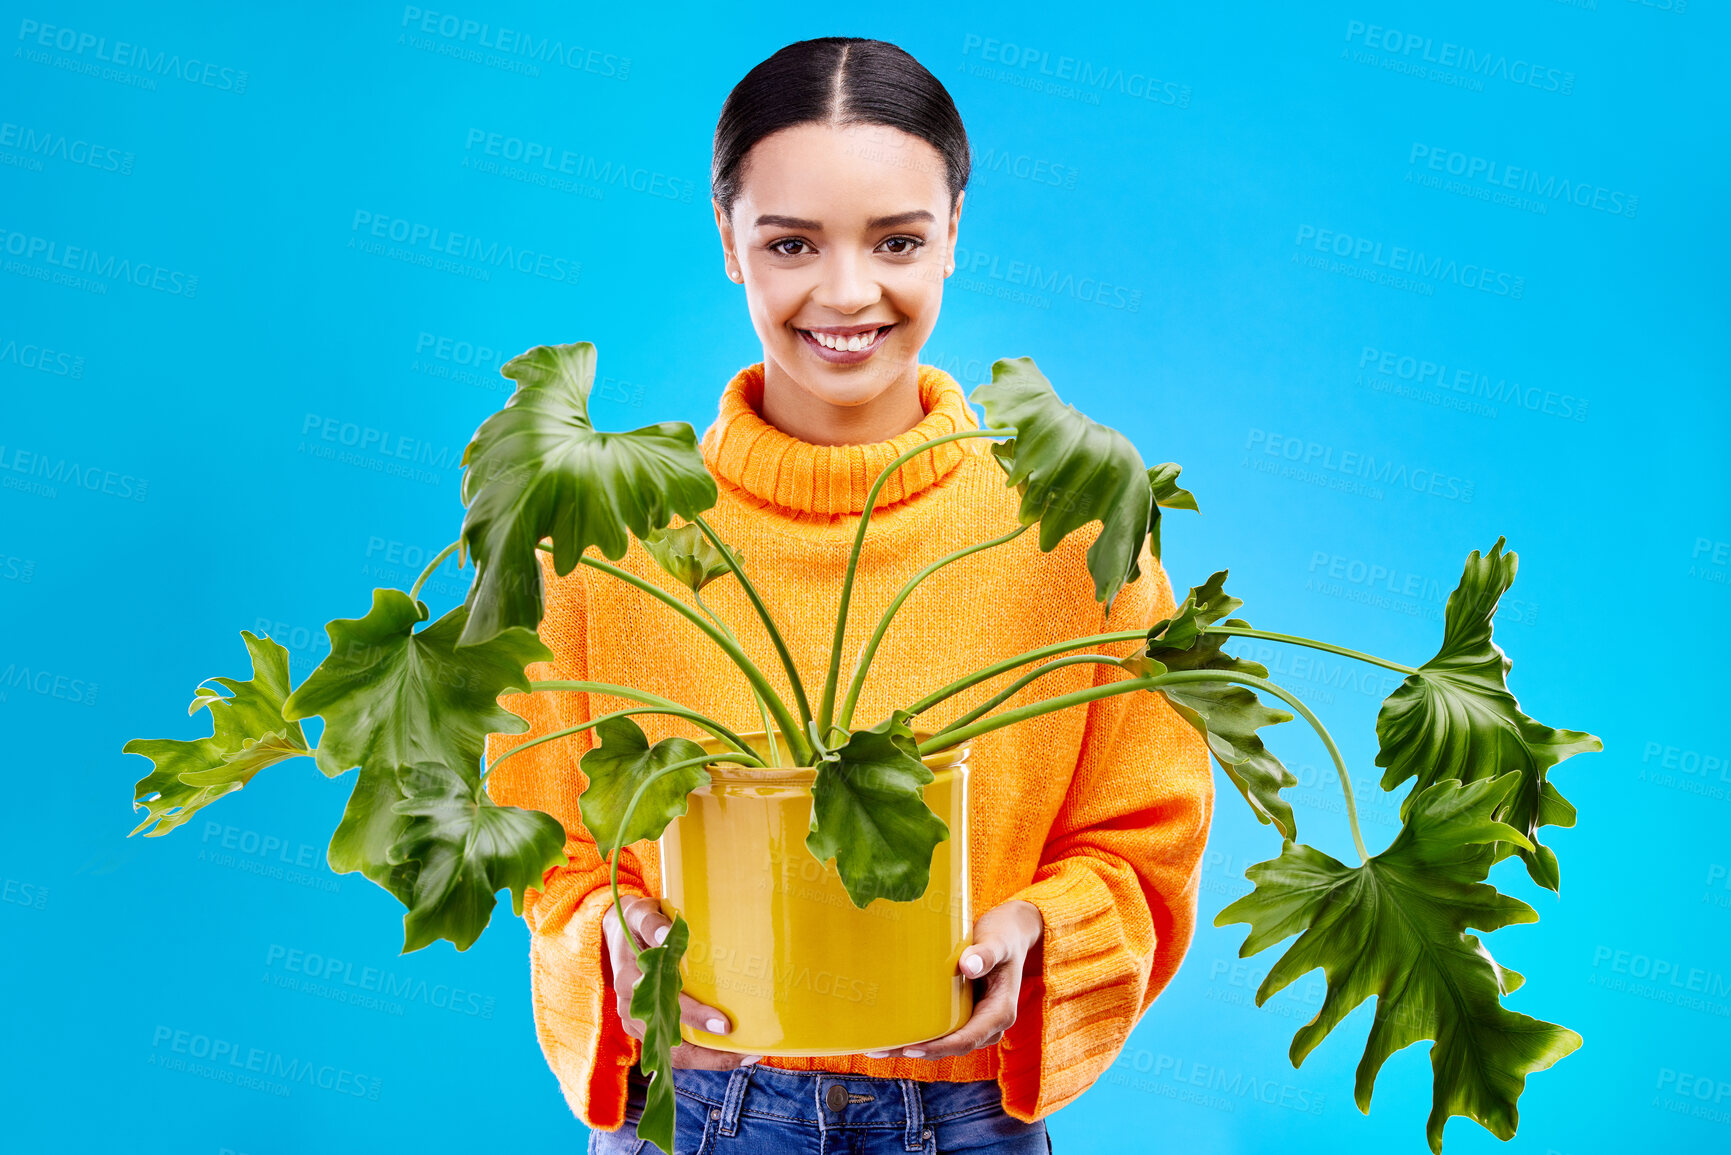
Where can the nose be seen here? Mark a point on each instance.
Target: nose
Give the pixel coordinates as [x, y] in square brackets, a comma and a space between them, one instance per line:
[846, 284]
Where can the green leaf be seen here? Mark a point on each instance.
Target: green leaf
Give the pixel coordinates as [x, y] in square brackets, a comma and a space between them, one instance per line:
[1393, 929]
[249, 732]
[655, 1003]
[622, 760]
[686, 553]
[467, 848]
[1455, 718]
[1070, 470]
[370, 827]
[869, 814]
[1226, 715]
[538, 468]
[390, 696]
[1163, 480]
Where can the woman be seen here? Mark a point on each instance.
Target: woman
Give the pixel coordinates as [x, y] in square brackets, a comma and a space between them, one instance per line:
[838, 184]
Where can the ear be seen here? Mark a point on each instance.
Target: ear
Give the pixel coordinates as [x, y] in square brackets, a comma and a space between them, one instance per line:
[955, 222]
[729, 256]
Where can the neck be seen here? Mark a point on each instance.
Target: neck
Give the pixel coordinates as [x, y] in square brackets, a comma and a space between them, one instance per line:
[797, 411]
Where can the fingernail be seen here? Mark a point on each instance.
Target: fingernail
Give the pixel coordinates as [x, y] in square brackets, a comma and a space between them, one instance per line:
[749, 1059]
[877, 1054]
[913, 1052]
[971, 964]
[717, 1026]
[661, 935]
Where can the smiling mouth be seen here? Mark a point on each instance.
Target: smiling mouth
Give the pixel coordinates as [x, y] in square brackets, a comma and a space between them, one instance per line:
[856, 343]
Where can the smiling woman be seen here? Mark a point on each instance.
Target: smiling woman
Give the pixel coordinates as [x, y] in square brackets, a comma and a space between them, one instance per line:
[838, 181]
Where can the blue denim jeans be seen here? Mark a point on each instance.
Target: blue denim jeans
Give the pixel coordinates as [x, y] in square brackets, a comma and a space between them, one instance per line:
[755, 1109]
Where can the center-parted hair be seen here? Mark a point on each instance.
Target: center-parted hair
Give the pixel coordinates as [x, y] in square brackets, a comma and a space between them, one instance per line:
[838, 80]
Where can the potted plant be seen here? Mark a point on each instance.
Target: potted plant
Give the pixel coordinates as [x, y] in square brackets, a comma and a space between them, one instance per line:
[411, 707]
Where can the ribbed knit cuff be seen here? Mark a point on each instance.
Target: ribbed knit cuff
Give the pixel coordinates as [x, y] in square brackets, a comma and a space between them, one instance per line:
[575, 1013]
[1075, 1011]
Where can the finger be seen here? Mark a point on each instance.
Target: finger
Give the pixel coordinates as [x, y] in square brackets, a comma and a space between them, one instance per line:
[993, 1015]
[646, 921]
[988, 952]
[701, 1016]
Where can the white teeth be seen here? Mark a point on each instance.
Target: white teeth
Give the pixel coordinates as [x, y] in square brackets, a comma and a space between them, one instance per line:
[851, 344]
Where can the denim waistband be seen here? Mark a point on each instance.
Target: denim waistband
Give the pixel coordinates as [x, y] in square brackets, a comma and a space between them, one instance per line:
[826, 1100]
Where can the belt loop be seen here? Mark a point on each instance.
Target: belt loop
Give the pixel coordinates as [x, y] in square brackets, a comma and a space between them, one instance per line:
[735, 1097]
[914, 1139]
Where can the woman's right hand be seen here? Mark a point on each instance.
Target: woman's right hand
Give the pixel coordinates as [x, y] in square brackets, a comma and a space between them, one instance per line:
[649, 926]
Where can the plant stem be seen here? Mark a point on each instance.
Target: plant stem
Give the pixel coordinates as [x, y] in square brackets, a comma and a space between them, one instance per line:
[619, 841]
[728, 646]
[715, 728]
[414, 590]
[827, 708]
[762, 710]
[999, 667]
[786, 655]
[856, 680]
[948, 738]
[1009, 691]
[1247, 632]
[669, 705]
[1033, 710]
[1183, 676]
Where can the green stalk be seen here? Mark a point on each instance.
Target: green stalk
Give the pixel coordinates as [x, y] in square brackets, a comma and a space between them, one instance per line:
[747, 667]
[415, 589]
[619, 841]
[786, 655]
[999, 667]
[1009, 691]
[762, 710]
[827, 709]
[1264, 684]
[668, 704]
[960, 734]
[1247, 632]
[856, 680]
[715, 728]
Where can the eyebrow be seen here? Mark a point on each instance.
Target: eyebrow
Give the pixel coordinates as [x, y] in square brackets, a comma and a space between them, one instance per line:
[774, 221]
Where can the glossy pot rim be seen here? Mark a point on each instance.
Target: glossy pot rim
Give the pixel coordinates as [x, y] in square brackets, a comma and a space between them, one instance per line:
[727, 772]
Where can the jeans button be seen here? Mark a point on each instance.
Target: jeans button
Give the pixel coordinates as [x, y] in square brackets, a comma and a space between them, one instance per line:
[837, 1096]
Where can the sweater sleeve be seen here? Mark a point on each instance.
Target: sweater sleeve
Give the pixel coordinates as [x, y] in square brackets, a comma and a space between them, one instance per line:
[1116, 882]
[576, 1019]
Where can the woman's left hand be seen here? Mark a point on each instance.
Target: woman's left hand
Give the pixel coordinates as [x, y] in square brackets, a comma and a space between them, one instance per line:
[1003, 936]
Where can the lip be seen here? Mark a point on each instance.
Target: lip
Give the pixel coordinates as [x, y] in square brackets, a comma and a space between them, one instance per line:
[840, 356]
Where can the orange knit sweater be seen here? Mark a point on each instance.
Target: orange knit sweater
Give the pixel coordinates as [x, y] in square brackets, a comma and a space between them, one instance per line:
[1096, 814]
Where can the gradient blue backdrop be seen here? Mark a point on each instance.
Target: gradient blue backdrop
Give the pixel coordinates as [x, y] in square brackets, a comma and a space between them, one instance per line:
[175, 465]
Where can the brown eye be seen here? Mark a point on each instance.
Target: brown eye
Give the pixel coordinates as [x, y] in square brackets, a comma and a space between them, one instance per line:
[909, 245]
[775, 246]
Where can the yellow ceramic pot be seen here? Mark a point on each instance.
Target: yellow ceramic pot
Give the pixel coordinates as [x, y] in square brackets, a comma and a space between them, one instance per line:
[777, 943]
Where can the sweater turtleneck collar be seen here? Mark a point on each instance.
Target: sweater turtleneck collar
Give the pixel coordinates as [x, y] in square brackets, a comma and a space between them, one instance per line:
[776, 467]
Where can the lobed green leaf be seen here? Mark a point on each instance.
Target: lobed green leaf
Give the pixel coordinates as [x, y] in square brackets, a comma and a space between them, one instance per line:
[249, 732]
[1394, 929]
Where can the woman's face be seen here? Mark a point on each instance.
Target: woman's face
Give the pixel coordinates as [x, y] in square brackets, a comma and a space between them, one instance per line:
[844, 235]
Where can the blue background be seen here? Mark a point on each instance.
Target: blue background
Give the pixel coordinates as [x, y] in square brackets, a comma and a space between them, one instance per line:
[1596, 443]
